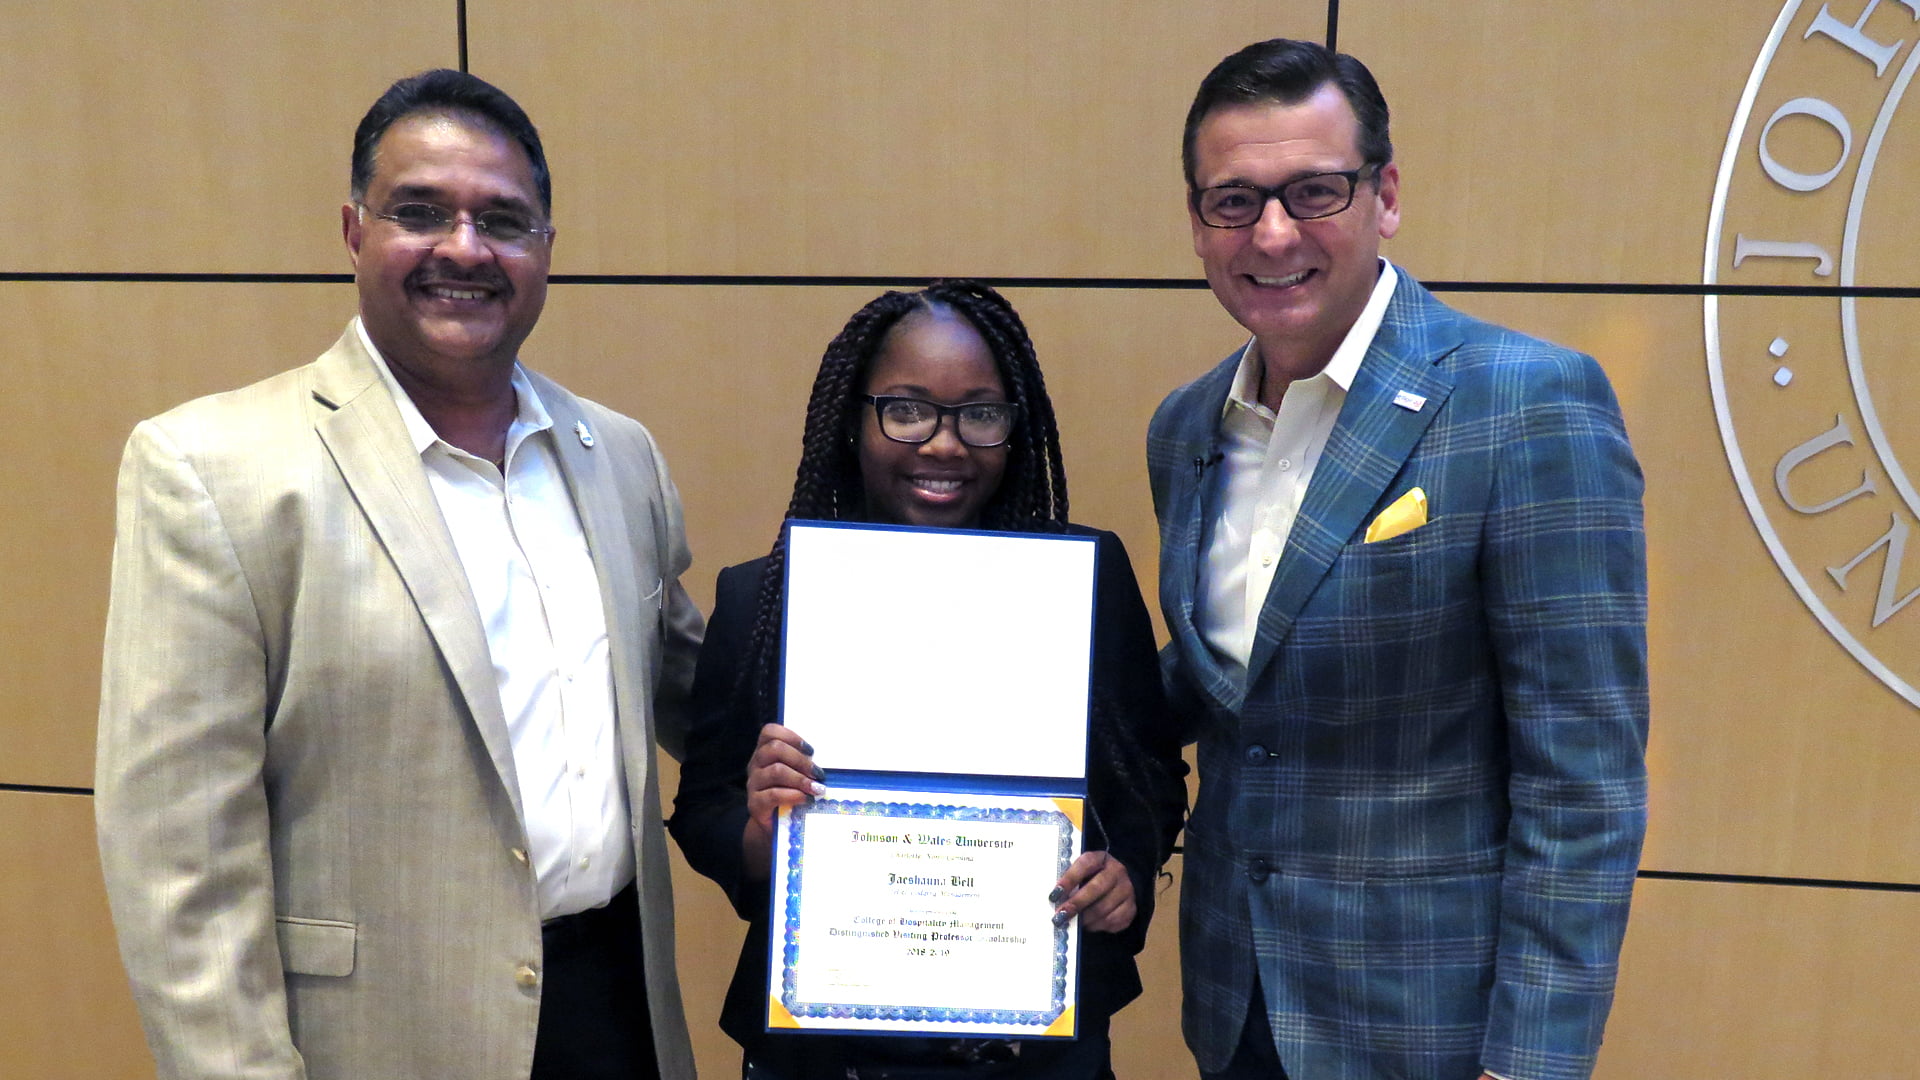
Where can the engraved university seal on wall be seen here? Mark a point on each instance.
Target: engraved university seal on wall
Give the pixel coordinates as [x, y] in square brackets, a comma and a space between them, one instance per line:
[1818, 397]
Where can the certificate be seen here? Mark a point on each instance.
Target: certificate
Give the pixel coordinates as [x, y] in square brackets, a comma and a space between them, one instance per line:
[928, 650]
[923, 913]
[942, 677]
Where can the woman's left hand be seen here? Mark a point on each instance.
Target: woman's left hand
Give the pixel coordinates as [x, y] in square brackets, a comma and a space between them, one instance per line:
[1099, 890]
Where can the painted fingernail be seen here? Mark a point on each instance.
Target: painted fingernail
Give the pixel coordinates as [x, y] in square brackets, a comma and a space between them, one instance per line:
[817, 774]
[1058, 894]
[1062, 918]
[806, 747]
[819, 789]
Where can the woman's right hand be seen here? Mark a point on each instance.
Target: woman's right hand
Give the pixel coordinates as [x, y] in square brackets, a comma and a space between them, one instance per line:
[780, 773]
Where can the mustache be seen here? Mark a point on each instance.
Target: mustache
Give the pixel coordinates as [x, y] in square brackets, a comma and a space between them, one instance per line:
[453, 274]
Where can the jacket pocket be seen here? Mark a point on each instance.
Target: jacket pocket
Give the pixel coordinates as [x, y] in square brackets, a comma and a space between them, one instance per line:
[315, 946]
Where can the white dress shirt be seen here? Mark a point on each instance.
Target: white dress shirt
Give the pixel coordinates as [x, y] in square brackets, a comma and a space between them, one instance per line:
[520, 541]
[1266, 460]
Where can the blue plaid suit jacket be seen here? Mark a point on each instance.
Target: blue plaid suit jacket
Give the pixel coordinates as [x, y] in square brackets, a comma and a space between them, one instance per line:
[1420, 818]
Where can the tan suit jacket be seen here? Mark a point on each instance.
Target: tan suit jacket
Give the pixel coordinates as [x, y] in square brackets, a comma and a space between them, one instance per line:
[308, 815]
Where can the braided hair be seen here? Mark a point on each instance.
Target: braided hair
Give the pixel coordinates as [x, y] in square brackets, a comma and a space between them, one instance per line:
[1032, 496]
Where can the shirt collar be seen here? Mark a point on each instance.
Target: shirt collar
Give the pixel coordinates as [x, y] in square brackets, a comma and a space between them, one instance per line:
[1346, 359]
[530, 413]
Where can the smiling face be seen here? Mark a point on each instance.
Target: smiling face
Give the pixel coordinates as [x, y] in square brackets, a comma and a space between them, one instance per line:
[1297, 286]
[445, 312]
[940, 357]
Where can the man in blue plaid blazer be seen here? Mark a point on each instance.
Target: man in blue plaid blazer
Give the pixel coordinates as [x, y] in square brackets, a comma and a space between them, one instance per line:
[1403, 571]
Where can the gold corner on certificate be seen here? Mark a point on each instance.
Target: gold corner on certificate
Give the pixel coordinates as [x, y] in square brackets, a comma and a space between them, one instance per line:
[900, 911]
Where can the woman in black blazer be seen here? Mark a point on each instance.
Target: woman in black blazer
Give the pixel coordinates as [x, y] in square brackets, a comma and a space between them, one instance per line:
[929, 409]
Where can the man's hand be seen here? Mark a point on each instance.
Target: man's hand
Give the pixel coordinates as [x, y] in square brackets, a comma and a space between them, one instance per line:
[1099, 890]
[780, 773]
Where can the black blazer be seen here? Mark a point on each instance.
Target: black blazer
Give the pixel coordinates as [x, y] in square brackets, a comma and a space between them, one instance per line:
[1141, 818]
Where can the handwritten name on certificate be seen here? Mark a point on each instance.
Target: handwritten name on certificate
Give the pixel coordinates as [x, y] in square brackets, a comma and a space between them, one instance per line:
[923, 912]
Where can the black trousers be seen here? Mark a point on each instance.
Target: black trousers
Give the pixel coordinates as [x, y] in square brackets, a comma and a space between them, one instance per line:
[832, 1057]
[594, 1023]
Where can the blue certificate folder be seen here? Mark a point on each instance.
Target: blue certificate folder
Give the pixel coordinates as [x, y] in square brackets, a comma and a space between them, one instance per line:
[942, 677]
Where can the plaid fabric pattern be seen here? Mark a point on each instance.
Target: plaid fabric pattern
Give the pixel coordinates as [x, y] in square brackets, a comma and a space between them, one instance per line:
[1420, 818]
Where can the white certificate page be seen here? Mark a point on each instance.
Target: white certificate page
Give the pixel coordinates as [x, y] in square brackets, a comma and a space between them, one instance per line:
[924, 913]
[920, 650]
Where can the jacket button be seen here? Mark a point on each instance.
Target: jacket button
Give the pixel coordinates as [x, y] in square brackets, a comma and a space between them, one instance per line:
[525, 977]
[1258, 871]
[1257, 754]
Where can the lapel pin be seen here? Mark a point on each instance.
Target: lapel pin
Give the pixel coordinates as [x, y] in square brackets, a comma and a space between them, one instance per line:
[1409, 400]
[586, 437]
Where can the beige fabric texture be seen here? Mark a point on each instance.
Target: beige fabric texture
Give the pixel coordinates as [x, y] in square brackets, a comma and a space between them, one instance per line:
[308, 818]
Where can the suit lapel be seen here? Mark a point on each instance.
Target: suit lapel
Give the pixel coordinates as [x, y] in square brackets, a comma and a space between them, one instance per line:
[591, 483]
[1195, 448]
[369, 443]
[1374, 434]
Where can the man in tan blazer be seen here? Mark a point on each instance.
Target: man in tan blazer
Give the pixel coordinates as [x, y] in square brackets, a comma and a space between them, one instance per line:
[392, 637]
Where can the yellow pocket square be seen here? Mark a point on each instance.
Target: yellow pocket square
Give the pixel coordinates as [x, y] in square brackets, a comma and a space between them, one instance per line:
[1407, 513]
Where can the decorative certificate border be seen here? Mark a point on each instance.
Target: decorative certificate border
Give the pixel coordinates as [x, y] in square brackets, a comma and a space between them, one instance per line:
[1039, 1020]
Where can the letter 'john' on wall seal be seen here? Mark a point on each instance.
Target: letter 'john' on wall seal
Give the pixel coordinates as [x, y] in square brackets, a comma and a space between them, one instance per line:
[1818, 398]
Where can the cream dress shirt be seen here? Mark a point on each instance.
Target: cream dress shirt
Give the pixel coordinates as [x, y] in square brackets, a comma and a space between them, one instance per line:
[1266, 460]
[520, 541]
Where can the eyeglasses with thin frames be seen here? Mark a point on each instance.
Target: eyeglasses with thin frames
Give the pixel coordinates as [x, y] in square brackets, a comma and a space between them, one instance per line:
[979, 424]
[1303, 198]
[509, 233]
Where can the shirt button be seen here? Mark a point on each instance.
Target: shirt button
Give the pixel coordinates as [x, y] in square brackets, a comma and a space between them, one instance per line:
[586, 861]
[520, 856]
[1285, 464]
[1266, 560]
[1258, 871]
[1256, 754]
[525, 977]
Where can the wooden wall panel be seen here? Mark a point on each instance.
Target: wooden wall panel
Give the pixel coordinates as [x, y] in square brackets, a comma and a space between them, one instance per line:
[1016, 139]
[87, 361]
[1773, 751]
[66, 1014]
[1765, 983]
[1552, 143]
[721, 376]
[1008, 137]
[193, 138]
[1110, 357]
[1826, 155]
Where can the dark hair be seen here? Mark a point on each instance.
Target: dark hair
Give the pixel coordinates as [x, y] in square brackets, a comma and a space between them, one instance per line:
[1032, 496]
[1286, 72]
[444, 90]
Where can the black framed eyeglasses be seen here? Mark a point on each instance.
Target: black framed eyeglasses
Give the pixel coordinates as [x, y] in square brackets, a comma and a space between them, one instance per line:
[1304, 198]
[508, 232]
[980, 424]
